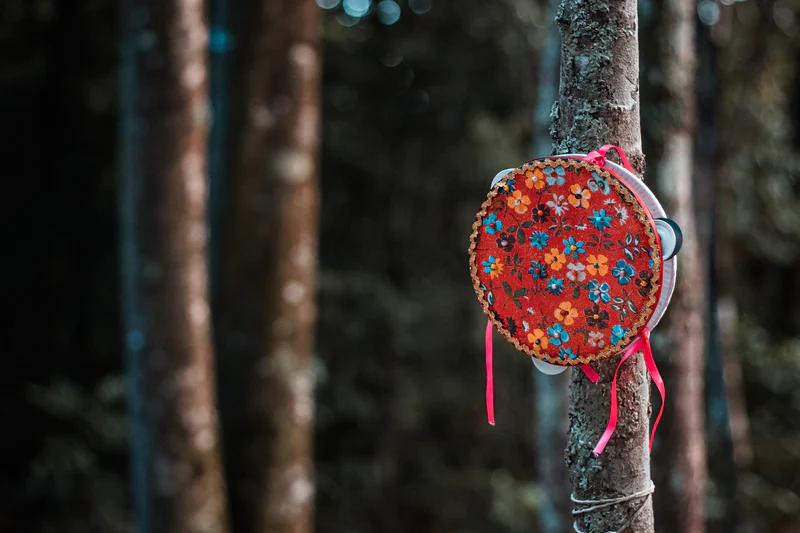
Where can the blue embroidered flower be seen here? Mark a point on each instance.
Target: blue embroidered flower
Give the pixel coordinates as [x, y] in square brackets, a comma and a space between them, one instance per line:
[566, 353]
[508, 186]
[554, 175]
[487, 265]
[492, 224]
[618, 333]
[599, 291]
[600, 220]
[538, 239]
[555, 286]
[573, 248]
[598, 183]
[623, 272]
[538, 270]
[557, 334]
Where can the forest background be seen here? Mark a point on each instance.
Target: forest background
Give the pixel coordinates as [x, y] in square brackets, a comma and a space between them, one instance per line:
[422, 103]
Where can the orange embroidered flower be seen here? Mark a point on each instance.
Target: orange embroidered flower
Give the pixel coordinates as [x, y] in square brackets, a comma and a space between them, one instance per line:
[538, 338]
[578, 196]
[519, 202]
[596, 265]
[495, 267]
[534, 178]
[555, 259]
[566, 313]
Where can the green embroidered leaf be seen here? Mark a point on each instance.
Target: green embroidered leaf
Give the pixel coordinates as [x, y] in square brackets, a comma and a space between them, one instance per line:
[527, 224]
[519, 293]
[615, 307]
[632, 307]
[617, 299]
[512, 229]
[576, 292]
[520, 235]
[518, 303]
[628, 238]
[628, 254]
[507, 288]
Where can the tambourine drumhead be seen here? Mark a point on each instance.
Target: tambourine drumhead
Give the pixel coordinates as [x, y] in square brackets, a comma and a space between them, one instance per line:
[566, 260]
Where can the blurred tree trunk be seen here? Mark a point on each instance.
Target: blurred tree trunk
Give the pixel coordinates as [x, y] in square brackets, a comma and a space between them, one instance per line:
[267, 298]
[177, 482]
[551, 392]
[598, 104]
[683, 450]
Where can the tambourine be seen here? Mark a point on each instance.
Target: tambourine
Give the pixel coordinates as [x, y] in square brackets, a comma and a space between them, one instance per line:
[573, 260]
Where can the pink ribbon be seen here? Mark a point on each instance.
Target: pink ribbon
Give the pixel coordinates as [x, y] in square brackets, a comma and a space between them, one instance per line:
[598, 157]
[641, 343]
[489, 374]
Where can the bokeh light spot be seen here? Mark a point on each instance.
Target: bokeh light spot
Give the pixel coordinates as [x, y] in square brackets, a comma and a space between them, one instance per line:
[388, 12]
[328, 4]
[356, 8]
[420, 7]
[708, 11]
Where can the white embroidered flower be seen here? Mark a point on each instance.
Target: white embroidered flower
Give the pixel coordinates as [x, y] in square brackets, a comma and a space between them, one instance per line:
[557, 204]
[622, 214]
[530, 310]
[609, 201]
[580, 227]
[576, 271]
[525, 326]
[596, 339]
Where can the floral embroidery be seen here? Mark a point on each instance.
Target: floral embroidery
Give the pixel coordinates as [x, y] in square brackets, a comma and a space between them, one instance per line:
[492, 224]
[519, 202]
[599, 291]
[596, 339]
[555, 175]
[600, 220]
[493, 267]
[507, 186]
[566, 353]
[555, 286]
[538, 270]
[565, 313]
[644, 281]
[573, 248]
[557, 334]
[506, 242]
[596, 265]
[599, 183]
[534, 179]
[589, 252]
[596, 317]
[541, 213]
[538, 338]
[558, 205]
[538, 239]
[623, 272]
[576, 272]
[618, 333]
[578, 196]
[555, 259]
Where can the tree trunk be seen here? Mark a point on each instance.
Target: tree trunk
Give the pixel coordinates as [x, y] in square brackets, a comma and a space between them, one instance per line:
[177, 482]
[598, 104]
[684, 448]
[550, 391]
[268, 270]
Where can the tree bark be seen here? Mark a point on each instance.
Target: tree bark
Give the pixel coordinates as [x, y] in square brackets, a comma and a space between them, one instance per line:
[684, 448]
[598, 104]
[268, 271]
[177, 482]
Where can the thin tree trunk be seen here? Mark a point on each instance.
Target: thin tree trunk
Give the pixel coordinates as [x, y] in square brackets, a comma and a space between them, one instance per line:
[268, 276]
[551, 392]
[684, 448]
[177, 482]
[598, 104]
